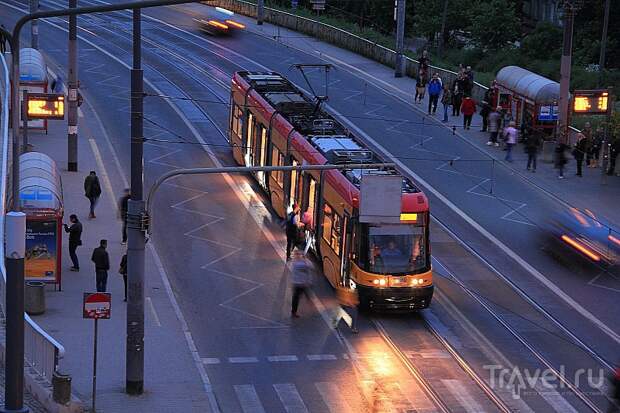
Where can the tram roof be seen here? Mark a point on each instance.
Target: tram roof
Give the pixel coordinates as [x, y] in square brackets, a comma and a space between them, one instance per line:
[533, 86]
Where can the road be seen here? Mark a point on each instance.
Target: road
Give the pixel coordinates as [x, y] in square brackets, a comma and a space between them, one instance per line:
[222, 246]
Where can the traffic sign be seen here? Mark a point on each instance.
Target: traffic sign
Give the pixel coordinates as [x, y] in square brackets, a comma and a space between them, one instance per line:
[97, 305]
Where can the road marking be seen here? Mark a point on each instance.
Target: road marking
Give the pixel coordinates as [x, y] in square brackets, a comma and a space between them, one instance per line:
[461, 394]
[416, 396]
[290, 398]
[211, 360]
[282, 358]
[250, 403]
[153, 312]
[333, 397]
[317, 357]
[555, 400]
[242, 360]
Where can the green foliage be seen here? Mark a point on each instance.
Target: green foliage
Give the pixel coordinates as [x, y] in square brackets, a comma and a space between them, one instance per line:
[544, 42]
[494, 24]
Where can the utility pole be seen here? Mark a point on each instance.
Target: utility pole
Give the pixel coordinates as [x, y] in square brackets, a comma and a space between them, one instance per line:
[260, 11]
[601, 59]
[72, 133]
[15, 227]
[444, 16]
[136, 235]
[34, 25]
[565, 70]
[400, 37]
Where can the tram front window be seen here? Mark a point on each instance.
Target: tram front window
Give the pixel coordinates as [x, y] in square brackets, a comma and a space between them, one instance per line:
[396, 249]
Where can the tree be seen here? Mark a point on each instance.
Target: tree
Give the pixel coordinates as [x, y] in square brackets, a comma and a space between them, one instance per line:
[494, 24]
[544, 42]
[427, 17]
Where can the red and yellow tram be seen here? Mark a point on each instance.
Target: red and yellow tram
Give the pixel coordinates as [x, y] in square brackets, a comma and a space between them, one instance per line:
[273, 123]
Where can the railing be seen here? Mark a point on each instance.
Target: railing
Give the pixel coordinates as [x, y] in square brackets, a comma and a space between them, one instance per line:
[41, 352]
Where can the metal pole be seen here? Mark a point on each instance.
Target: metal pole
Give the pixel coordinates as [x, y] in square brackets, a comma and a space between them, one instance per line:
[15, 228]
[565, 72]
[400, 37]
[34, 26]
[95, 367]
[25, 121]
[601, 59]
[136, 237]
[444, 15]
[72, 132]
[15, 123]
[260, 11]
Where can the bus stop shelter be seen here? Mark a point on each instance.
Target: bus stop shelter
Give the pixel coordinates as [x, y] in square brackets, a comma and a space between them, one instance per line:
[33, 78]
[40, 189]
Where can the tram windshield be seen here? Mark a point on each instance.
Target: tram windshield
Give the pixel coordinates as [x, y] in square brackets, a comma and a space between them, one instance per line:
[396, 249]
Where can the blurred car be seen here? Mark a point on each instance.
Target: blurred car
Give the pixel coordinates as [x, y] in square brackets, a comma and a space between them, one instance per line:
[587, 234]
[219, 21]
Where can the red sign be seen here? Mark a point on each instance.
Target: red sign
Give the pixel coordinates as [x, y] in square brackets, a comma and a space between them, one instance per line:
[97, 305]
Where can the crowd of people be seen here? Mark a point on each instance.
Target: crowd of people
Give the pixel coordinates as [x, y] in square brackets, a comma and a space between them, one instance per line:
[502, 129]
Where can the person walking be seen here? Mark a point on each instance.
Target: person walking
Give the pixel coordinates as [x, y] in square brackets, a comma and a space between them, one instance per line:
[560, 159]
[457, 97]
[510, 135]
[434, 90]
[485, 110]
[293, 223]
[446, 100]
[595, 147]
[468, 107]
[122, 270]
[420, 90]
[494, 119]
[424, 66]
[122, 212]
[75, 240]
[579, 152]
[614, 150]
[102, 264]
[300, 269]
[92, 191]
[532, 143]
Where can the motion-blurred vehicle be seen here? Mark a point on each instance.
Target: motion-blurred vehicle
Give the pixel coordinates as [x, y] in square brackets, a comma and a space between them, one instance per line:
[219, 21]
[587, 234]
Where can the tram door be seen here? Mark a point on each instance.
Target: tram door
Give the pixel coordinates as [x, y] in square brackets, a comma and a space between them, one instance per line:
[294, 187]
[345, 248]
[309, 206]
[247, 150]
[260, 157]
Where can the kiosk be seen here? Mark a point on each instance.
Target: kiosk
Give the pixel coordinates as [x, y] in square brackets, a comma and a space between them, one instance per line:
[40, 190]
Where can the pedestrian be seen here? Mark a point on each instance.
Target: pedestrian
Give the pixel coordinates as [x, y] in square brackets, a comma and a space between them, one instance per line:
[614, 402]
[434, 90]
[75, 240]
[2, 39]
[468, 107]
[102, 264]
[122, 212]
[293, 224]
[485, 110]
[579, 152]
[420, 90]
[424, 66]
[469, 74]
[510, 135]
[614, 150]
[532, 143]
[446, 100]
[348, 300]
[301, 270]
[457, 97]
[122, 270]
[494, 120]
[92, 191]
[595, 147]
[560, 159]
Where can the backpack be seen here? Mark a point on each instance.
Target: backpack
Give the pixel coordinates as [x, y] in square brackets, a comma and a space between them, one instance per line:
[290, 224]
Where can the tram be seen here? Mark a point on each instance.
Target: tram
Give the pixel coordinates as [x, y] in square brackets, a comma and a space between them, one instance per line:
[273, 123]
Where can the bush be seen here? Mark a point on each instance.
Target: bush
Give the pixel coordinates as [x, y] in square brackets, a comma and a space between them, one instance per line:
[545, 42]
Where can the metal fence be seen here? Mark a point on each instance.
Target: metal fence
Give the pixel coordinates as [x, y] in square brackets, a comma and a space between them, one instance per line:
[41, 352]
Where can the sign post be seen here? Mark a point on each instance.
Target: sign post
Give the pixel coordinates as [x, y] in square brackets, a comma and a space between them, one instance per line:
[96, 306]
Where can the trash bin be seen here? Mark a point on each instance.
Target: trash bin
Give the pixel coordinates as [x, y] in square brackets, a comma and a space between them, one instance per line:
[34, 297]
[61, 384]
[548, 150]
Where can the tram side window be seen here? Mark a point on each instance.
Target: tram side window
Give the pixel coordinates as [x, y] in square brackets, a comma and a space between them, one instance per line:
[278, 160]
[237, 115]
[331, 228]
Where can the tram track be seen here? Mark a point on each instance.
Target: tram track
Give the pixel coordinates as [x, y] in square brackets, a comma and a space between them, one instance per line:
[378, 324]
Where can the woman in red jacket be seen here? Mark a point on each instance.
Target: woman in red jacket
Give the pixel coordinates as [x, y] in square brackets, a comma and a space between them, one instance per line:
[468, 108]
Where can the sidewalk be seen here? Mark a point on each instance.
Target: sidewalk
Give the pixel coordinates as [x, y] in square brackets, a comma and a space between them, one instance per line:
[592, 191]
[172, 381]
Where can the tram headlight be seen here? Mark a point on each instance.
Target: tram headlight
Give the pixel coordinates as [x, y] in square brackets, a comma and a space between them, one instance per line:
[380, 282]
[417, 281]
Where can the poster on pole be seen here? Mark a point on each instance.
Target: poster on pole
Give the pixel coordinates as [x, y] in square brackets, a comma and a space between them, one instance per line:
[41, 251]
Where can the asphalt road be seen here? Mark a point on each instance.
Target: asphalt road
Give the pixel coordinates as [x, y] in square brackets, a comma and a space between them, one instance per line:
[229, 278]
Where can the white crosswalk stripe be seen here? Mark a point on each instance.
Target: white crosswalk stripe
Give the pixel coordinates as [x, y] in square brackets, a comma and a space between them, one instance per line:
[290, 398]
[332, 396]
[248, 399]
[555, 399]
[461, 394]
[416, 397]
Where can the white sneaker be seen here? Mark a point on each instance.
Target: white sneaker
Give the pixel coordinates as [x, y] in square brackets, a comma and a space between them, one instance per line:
[489, 143]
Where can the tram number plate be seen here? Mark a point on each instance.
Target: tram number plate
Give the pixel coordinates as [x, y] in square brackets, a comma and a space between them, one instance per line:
[400, 280]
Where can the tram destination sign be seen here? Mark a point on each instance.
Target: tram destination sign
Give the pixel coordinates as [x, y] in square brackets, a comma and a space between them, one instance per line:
[591, 102]
[46, 106]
